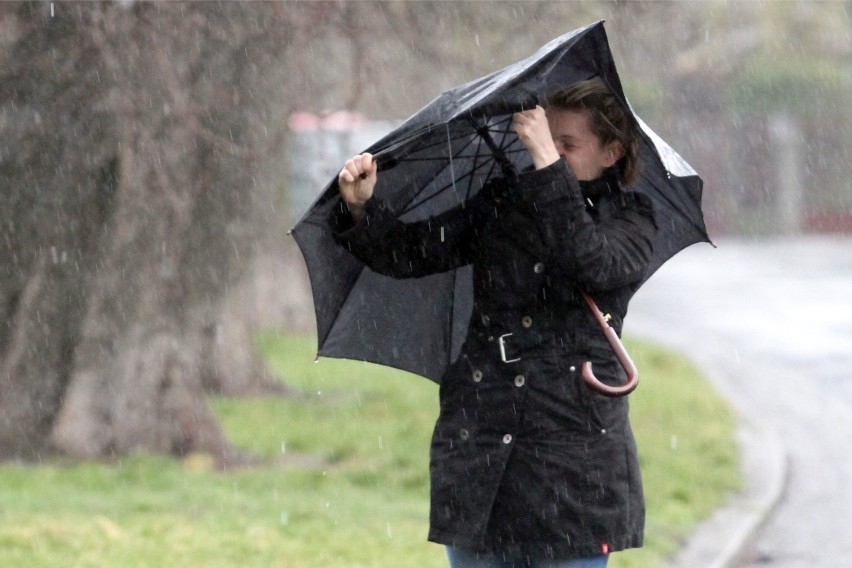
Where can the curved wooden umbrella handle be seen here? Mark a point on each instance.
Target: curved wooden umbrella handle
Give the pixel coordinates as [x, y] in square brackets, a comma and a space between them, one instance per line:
[620, 352]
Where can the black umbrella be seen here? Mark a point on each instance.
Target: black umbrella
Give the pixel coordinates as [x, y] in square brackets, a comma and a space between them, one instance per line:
[437, 159]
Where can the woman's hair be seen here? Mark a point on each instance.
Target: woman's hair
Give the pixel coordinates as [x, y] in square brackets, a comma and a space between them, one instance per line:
[608, 119]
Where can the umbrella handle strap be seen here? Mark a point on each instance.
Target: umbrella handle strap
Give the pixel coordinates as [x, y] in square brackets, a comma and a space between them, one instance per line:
[620, 352]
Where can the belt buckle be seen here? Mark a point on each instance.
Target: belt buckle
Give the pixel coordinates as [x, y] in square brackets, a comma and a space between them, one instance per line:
[502, 342]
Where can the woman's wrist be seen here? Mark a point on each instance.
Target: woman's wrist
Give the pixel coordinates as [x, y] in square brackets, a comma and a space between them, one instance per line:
[356, 210]
[544, 158]
[543, 152]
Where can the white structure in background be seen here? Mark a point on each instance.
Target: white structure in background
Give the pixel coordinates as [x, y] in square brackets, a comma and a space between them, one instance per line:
[786, 137]
[319, 145]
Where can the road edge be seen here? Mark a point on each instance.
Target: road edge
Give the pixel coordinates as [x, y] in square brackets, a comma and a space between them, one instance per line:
[723, 539]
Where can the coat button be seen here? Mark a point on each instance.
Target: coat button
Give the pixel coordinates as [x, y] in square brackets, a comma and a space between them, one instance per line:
[464, 434]
[477, 376]
[507, 439]
[520, 380]
[572, 368]
[485, 319]
[526, 321]
[538, 268]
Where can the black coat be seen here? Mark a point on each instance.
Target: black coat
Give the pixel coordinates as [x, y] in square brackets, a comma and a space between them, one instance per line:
[525, 459]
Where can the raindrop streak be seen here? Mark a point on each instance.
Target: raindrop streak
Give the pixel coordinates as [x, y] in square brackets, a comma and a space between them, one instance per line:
[390, 534]
[452, 170]
[381, 446]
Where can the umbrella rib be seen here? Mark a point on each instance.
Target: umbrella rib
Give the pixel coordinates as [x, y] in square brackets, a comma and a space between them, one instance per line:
[468, 176]
[509, 145]
[463, 133]
[412, 204]
[506, 147]
[477, 155]
[491, 163]
[436, 143]
[497, 151]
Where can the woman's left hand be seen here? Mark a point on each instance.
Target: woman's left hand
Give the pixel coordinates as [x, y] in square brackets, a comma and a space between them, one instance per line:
[533, 130]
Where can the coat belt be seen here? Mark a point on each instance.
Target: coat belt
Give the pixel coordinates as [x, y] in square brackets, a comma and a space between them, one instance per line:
[513, 346]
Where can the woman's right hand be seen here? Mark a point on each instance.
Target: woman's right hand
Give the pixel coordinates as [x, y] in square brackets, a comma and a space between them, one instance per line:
[356, 182]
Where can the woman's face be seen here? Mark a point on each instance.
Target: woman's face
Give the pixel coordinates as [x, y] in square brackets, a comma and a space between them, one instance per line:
[580, 147]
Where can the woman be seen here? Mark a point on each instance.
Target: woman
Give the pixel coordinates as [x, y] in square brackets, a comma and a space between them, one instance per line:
[528, 466]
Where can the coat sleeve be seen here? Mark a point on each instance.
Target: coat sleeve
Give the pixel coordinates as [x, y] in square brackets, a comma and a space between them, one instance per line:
[596, 256]
[405, 250]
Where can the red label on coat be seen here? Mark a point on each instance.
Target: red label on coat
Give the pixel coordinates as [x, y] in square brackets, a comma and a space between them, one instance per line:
[605, 548]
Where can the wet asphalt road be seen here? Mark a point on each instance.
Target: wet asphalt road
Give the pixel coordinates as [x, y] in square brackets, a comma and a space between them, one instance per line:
[772, 322]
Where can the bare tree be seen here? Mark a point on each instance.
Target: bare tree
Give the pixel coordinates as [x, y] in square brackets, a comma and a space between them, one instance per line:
[136, 191]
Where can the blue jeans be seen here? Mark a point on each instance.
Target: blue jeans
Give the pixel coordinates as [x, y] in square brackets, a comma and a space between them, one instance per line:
[462, 558]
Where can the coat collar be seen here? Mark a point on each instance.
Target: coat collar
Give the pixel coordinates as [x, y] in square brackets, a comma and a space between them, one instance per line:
[604, 186]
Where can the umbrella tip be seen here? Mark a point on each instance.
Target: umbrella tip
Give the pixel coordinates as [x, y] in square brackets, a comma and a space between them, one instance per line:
[316, 358]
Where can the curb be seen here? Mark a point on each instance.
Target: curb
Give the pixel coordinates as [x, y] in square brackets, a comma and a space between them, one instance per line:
[721, 540]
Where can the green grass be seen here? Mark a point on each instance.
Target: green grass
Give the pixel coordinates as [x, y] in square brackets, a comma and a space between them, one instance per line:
[687, 449]
[344, 481]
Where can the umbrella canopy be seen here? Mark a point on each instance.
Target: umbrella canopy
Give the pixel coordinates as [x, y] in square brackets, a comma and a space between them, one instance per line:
[437, 159]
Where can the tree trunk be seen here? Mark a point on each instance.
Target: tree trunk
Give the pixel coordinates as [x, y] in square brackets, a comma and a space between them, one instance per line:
[137, 190]
[134, 380]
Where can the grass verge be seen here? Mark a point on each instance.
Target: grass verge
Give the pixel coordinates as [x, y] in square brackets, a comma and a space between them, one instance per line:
[345, 480]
